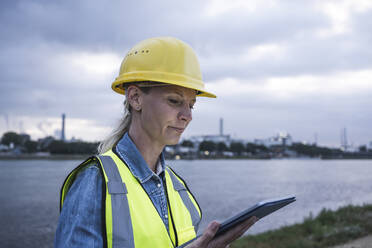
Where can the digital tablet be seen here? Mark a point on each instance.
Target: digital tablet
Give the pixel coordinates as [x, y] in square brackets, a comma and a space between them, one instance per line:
[259, 210]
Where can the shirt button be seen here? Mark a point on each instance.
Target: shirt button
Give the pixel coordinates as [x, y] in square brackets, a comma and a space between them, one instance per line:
[166, 216]
[159, 185]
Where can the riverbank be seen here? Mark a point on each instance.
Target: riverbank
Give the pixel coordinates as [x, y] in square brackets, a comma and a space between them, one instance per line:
[364, 242]
[339, 229]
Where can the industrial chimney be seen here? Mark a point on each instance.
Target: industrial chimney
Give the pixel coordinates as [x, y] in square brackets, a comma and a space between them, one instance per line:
[63, 127]
[221, 126]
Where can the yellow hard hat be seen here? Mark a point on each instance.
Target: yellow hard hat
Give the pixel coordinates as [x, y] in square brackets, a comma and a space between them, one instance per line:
[164, 60]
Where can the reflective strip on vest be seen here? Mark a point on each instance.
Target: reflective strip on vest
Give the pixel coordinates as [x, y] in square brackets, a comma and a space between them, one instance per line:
[181, 189]
[119, 205]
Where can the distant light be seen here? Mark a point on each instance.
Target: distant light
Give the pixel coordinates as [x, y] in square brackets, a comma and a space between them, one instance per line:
[206, 153]
[177, 157]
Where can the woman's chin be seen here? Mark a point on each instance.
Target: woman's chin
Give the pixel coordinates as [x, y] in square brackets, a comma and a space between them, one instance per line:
[173, 140]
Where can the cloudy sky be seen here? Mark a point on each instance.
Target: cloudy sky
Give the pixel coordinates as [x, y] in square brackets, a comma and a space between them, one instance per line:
[304, 67]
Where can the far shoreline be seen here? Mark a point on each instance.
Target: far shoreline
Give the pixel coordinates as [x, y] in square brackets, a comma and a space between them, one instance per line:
[46, 157]
[85, 156]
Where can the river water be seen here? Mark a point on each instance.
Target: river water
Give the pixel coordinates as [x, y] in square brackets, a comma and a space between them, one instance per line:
[29, 195]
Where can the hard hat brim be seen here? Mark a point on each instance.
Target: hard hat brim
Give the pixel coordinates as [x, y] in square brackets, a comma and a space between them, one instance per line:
[162, 77]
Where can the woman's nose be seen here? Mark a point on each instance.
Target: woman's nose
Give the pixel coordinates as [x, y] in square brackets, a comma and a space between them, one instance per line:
[185, 113]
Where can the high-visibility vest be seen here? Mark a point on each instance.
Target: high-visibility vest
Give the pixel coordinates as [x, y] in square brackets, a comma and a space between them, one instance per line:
[131, 219]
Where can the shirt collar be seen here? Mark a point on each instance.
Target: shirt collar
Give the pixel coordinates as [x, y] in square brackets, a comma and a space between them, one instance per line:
[128, 152]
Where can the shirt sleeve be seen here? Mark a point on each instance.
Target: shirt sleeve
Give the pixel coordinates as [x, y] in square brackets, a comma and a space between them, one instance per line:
[80, 221]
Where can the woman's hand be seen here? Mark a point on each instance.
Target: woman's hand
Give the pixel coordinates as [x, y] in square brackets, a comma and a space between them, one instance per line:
[222, 241]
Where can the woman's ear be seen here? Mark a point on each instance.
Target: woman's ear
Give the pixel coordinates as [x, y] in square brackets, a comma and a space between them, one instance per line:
[134, 97]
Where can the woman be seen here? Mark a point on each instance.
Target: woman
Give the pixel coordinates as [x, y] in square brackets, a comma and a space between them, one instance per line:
[127, 197]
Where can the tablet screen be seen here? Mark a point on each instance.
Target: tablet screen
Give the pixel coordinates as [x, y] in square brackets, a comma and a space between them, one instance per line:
[259, 210]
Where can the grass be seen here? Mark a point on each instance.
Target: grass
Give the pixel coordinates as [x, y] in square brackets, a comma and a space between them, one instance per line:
[329, 228]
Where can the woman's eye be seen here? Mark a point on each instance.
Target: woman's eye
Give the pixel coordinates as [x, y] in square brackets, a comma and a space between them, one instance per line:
[173, 101]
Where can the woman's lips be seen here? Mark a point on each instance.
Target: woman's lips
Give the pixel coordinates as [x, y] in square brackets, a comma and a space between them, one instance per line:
[178, 130]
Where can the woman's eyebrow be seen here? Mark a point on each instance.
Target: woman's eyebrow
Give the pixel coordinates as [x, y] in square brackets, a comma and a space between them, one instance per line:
[181, 95]
[177, 92]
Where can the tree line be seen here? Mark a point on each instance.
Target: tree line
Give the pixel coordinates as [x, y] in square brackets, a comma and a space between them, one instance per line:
[296, 149]
[24, 144]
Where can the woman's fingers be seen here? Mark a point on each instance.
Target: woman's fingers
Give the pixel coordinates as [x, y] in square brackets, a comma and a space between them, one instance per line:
[208, 240]
[205, 239]
[209, 234]
[240, 230]
[234, 233]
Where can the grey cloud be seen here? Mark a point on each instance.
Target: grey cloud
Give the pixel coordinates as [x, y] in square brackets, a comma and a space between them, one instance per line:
[306, 57]
[94, 24]
[36, 31]
[118, 26]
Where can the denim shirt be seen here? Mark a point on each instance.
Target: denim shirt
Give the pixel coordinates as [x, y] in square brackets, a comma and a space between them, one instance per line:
[80, 221]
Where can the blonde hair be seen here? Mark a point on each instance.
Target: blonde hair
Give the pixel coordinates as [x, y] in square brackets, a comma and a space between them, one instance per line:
[110, 141]
[116, 134]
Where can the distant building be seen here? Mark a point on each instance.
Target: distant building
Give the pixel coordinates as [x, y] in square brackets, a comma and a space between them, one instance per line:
[178, 151]
[369, 145]
[73, 139]
[44, 142]
[281, 139]
[18, 150]
[214, 138]
[3, 148]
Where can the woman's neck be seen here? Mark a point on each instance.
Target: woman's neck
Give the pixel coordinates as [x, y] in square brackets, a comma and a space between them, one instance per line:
[149, 149]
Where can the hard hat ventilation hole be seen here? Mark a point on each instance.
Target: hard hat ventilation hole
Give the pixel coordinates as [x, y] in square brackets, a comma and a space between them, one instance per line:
[136, 52]
[147, 51]
[143, 51]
